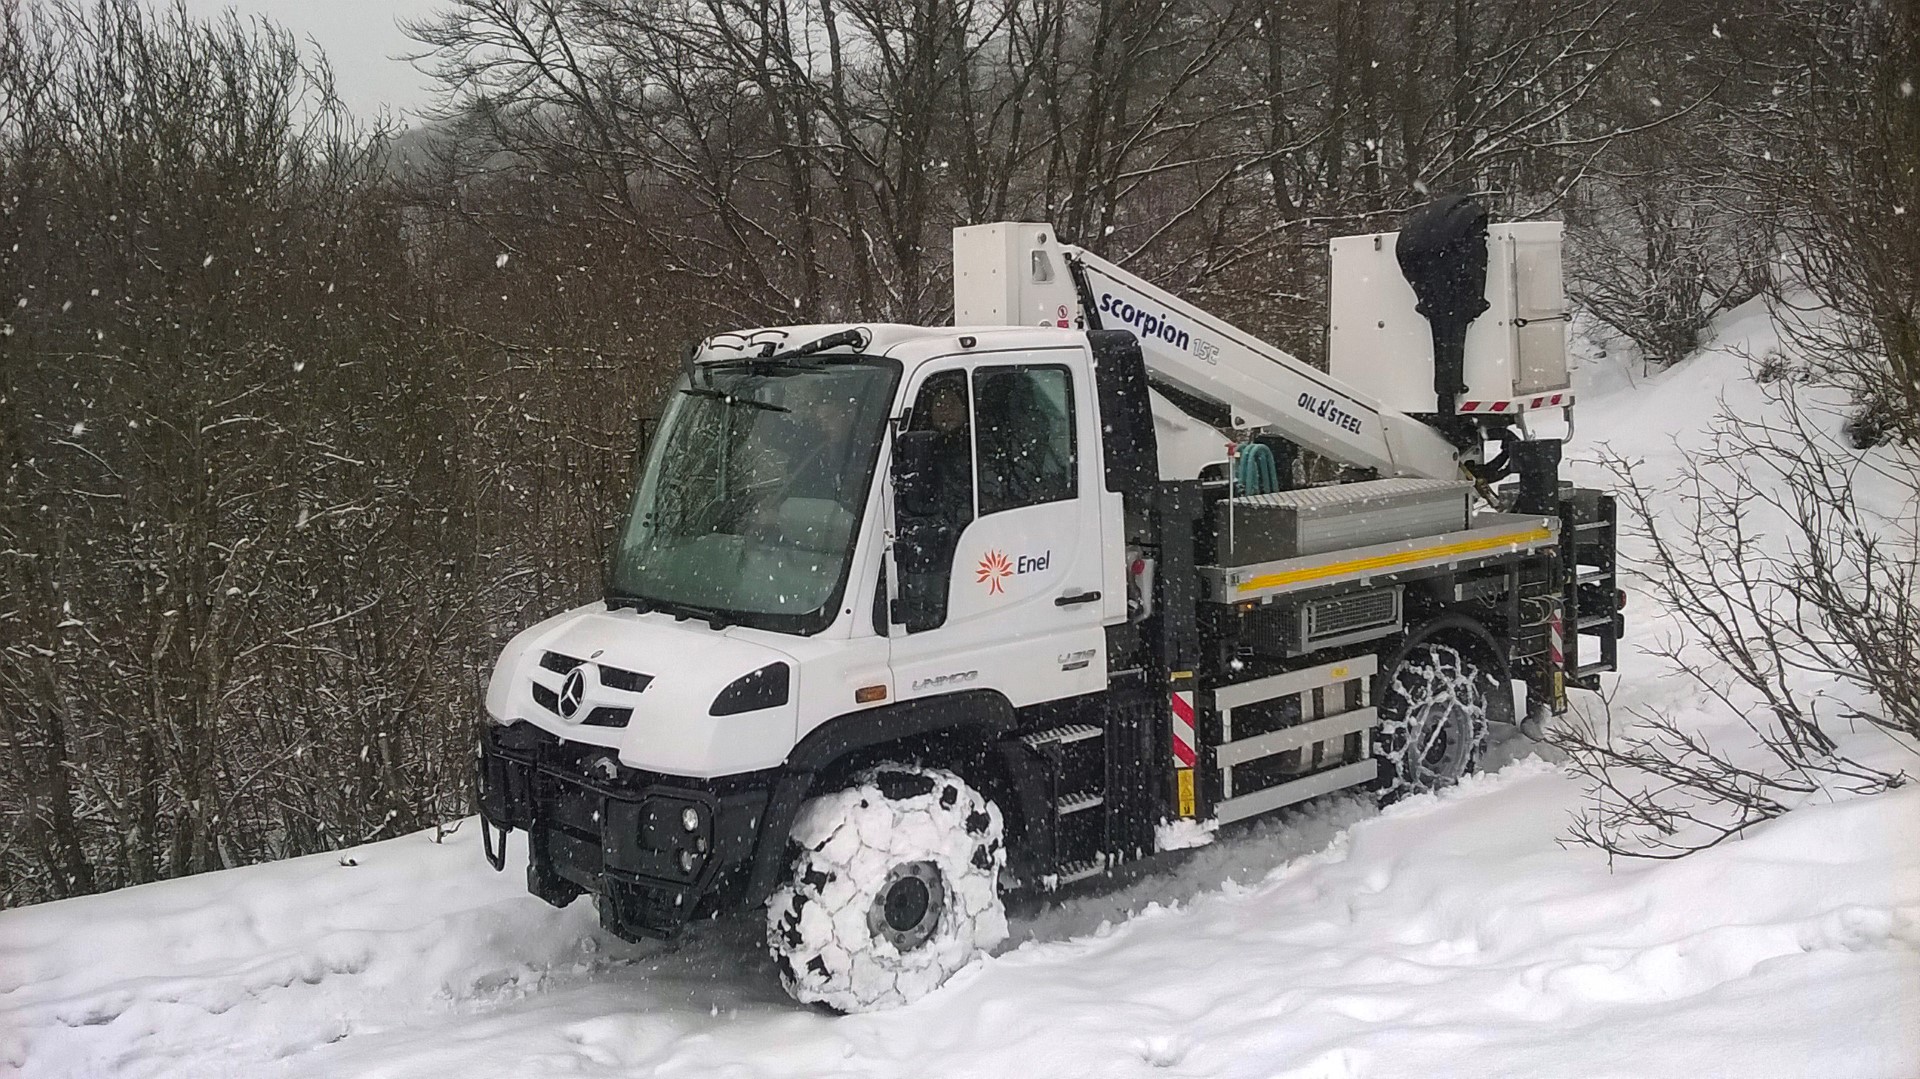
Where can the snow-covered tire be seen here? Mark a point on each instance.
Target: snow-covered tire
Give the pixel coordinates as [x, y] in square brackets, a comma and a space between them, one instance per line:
[1433, 721]
[895, 886]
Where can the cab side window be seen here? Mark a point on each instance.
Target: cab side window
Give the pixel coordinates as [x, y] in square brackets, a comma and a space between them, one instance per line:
[1026, 440]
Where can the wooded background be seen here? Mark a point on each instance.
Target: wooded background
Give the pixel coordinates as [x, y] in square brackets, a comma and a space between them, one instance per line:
[301, 417]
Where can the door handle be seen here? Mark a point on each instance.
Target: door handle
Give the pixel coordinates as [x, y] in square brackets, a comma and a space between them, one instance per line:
[1081, 597]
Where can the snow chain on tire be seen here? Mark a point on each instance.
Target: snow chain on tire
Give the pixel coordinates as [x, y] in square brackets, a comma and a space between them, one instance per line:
[1433, 721]
[895, 888]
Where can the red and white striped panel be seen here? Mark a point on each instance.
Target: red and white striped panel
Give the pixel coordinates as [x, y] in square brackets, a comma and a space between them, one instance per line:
[1556, 648]
[1180, 703]
[1517, 404]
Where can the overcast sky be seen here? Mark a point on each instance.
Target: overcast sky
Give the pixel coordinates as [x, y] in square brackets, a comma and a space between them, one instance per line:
[362, 38]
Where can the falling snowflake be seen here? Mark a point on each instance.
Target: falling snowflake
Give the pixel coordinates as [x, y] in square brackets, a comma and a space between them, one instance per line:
[500, 260]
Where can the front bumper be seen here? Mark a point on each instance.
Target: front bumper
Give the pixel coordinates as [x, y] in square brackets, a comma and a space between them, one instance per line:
[596, 826]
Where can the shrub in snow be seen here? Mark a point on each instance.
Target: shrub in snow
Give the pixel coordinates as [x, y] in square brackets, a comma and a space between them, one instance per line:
[1789, 562]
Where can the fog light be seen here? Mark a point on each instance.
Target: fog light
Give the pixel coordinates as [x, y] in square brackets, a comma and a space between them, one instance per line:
[690, 819]
[686, 861]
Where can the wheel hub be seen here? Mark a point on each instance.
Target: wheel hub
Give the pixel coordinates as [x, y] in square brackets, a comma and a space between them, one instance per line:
[908, 907]
[1440, 741]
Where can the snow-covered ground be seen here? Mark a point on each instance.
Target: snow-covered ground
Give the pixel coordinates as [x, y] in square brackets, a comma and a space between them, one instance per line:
[1455, 935]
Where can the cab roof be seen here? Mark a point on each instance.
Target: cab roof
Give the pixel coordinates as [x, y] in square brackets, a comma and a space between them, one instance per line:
[894, 339]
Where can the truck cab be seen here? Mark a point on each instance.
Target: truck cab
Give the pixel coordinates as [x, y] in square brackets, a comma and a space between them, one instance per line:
[752, 591]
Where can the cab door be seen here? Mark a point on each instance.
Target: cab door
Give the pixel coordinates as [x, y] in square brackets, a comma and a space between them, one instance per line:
[1023, 610]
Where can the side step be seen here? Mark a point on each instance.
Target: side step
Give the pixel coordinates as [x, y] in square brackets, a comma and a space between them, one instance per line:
[1076, 789]
[1060, 736]
[1081, 870]
[1075, 803]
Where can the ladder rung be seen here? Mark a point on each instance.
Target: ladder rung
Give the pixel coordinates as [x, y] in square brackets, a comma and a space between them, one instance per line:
[1588, 526]
[1591, 668]
[1296, 790]
[1589, 576]
[1593, 621]
[1299, 736]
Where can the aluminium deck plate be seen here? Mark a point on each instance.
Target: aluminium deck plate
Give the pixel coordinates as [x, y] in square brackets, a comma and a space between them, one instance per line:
[1373, 494]
[1492, 536]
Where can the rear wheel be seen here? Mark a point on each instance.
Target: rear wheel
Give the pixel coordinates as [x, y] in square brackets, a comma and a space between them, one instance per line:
[894, 888]
[1433, 721]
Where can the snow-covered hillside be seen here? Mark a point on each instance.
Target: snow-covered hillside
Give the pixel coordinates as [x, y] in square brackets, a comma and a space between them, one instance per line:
[1452, 936]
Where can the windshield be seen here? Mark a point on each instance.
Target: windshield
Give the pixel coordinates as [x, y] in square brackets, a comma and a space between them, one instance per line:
[753, 492]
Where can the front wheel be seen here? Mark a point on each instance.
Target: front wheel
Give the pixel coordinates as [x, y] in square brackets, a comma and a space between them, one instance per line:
[894, 888]
[1433, 721]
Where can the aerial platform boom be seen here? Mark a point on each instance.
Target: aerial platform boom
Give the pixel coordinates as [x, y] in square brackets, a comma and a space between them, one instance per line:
[1012, 273]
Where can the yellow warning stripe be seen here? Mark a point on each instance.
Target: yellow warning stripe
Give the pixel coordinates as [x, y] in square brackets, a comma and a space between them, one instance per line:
[1388, 561]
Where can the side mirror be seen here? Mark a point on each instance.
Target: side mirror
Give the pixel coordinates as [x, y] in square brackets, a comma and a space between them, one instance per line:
[915, 491]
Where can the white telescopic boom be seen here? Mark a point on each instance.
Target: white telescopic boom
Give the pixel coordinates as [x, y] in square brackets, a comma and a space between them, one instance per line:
[1012, 273]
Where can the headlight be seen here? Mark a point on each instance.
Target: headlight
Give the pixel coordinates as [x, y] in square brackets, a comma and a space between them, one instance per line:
[690, 819]
[764, 688]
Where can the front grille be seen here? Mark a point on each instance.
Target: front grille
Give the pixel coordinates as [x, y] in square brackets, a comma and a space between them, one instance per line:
[631, 681]
[612, 677]
[603, 716]
[1357, 612]
[607, 717]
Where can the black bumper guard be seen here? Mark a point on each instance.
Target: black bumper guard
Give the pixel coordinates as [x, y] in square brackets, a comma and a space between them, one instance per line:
[621, 838]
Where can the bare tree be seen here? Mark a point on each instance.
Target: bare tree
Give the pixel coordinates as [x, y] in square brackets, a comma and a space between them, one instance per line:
[1840, 172]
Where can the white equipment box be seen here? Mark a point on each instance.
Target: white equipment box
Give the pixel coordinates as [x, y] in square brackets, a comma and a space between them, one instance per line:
[1516, 354]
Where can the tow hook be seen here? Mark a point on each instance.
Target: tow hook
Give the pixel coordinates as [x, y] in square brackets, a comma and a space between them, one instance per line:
[496, 857]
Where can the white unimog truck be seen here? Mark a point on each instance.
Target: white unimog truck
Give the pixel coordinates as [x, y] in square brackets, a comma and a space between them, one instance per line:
[907, 617]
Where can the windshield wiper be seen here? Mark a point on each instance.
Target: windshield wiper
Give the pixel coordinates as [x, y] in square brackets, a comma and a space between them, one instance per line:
[617, 600]
[857, 337]
[684, 611]
[731, 399]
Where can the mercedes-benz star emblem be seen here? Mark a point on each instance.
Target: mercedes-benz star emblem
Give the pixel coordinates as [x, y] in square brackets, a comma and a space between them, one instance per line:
[571, 690]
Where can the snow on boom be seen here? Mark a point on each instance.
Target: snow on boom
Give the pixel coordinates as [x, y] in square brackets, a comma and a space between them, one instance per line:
[1144, 322]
